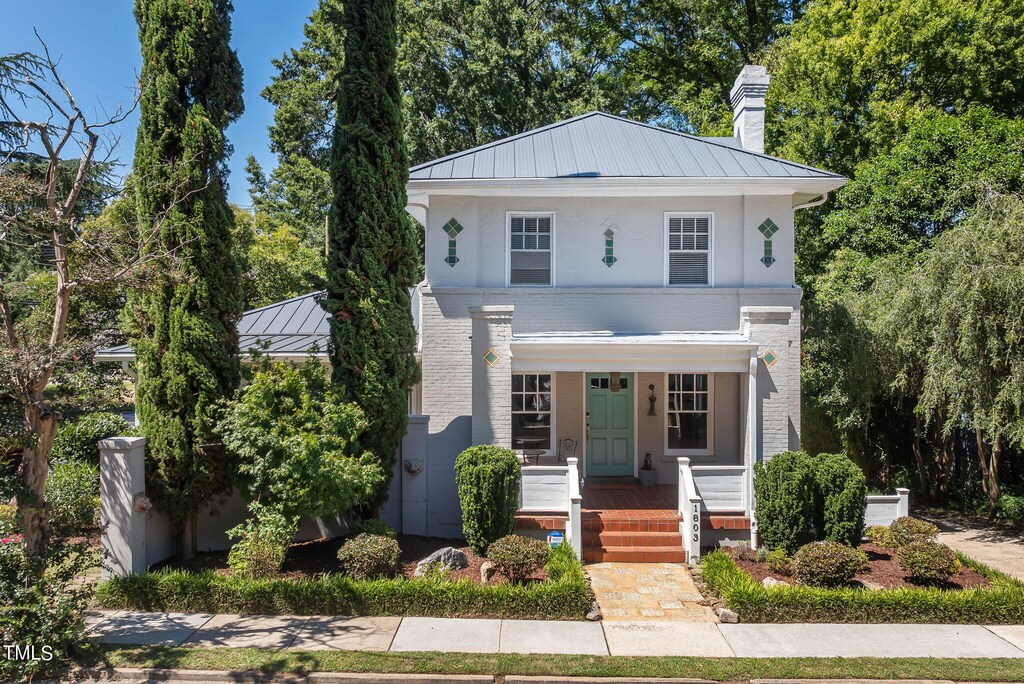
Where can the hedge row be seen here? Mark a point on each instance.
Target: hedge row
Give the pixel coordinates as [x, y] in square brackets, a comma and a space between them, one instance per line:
[1001, 603]
[564, 596]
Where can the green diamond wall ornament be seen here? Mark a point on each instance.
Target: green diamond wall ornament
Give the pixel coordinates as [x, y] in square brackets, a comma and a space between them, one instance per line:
[769, 357]
[768, 229]
[609, 248]
[491, 358]
[452, 229]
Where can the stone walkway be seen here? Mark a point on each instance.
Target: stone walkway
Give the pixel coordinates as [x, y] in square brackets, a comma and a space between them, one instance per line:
[647, 591]
[997, 547]
[615, 637]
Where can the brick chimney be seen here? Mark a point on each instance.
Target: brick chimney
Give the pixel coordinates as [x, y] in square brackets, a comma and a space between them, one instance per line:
[747, 95]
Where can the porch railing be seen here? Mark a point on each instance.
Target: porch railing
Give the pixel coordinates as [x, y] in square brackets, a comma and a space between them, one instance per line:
[574, 529]
[689, 511]
[555, 489]
[722, 488]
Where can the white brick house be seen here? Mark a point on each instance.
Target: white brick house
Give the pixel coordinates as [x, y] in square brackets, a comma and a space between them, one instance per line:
[623, 286]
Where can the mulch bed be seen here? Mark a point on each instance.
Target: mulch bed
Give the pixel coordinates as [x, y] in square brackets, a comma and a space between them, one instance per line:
[882, 570]
[320, 557]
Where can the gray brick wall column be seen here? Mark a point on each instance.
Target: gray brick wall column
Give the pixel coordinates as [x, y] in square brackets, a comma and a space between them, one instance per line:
[492, 374]
[776, 330]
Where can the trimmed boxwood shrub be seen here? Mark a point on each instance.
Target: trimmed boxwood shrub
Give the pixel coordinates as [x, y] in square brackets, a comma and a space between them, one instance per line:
[928, 561]
[1000, 604]
[367, 556]
[517, 557]
[784, 497]
[77, 440]
[565, 595]
[840, 495]
[262, 543]
[907, 530]
[827, 564]
[488, 480]
[371, 526]
[880, 535]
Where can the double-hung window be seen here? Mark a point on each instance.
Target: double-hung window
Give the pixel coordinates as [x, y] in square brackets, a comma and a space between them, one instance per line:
[689, 415]
[531, 411]
[689, 249]
[530, 239]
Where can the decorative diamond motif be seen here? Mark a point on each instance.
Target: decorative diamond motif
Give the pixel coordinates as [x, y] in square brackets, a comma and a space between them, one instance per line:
[609, 248]
[770, 358]
[768, 228]
[609, 233]
[452, 229]
[491, 358]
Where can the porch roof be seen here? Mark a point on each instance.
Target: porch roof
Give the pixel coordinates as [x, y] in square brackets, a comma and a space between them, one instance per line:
[604, 351]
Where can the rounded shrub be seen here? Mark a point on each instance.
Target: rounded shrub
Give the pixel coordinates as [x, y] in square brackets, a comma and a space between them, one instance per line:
[372, 526]
[783, 500]
[368, 556]
[879, 535]
[778, 562]
[73, 492]
[907, 530]
[827, 564]
[928, 561]
[262, 544]
[76, 440]
[517, 557]
[488, 481]
[840, 497]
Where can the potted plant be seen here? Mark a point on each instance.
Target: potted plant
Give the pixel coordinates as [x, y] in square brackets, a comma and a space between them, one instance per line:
[648, 475]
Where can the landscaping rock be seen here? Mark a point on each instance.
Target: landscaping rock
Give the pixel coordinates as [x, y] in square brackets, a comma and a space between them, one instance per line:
[729, 616]
[772, 582]
[595, 613]
[873, 586]
[449, 557]
[487, 571]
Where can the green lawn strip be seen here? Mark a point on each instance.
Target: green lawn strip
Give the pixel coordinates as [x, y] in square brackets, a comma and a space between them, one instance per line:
[565, 595]
[1001, 603]
[718, 669]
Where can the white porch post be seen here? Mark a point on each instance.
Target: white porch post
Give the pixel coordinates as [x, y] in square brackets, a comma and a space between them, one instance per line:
[751, 450]
[492, 375]
[575, 504]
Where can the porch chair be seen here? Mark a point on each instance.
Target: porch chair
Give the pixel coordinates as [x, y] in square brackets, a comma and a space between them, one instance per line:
[566, 449]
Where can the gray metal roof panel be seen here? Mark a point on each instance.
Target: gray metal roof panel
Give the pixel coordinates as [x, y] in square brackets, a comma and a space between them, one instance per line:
[599, 144]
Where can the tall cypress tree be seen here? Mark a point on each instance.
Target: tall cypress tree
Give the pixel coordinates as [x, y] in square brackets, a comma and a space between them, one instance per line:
[372, 259]
[183, 329]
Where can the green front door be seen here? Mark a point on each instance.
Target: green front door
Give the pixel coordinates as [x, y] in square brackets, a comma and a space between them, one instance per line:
[610, 416]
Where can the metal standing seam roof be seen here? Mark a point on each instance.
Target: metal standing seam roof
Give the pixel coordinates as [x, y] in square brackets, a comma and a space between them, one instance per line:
[289, 328]
[606, 146]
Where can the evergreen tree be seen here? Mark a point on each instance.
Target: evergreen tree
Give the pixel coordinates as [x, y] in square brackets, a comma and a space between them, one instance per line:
[372, 259]
[183, 329]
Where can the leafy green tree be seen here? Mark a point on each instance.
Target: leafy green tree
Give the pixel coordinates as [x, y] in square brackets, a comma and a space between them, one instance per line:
[675, 61]
[298, 445]
[183, 329]
[850, 78]
[372, 255]
[278, 265]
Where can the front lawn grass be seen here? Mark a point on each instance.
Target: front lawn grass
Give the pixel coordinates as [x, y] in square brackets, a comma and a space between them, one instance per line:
[565, 595]
[717, 669]
[1001, 603]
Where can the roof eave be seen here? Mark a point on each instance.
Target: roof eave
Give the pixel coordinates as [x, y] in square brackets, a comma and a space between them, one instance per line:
[627, 186]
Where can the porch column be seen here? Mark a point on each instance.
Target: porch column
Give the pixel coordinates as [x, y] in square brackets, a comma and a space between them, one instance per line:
[492, 374]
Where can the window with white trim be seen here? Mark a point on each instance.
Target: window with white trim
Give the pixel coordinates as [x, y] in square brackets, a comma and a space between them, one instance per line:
[689, 250]
[688, 414]
[530, 249]
[531, 411]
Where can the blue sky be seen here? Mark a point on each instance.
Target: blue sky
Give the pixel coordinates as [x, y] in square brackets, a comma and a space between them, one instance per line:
[99, 45]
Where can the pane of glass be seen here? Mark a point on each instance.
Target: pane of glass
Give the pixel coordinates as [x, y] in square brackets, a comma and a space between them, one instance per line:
[673, 402]
[691, 433]
[674, 241]
[531, 383]
[673, 382]
[545, 402]
[531, 224]
[517, 402]
[517, 224]
[688, 382]
[544, 241]
[701, 403]
[595, 383]
[624, 383]
[517, 383]
[544, 224]
[687, 403]
[529, 242]
[545, 382]
[702, 382]
[701, 242]
[517, 241]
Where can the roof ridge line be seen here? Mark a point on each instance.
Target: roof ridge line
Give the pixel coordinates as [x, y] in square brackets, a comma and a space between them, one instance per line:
[283, 301]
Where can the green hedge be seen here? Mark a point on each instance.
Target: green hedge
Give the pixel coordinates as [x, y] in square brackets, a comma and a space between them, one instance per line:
[564, 596]
[1001, 603]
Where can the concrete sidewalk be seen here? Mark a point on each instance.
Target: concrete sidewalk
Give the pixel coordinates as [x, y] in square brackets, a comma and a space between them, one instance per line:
[618, 638]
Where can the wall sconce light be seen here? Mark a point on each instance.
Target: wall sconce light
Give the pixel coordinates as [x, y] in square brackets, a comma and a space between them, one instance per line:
[653, 399]
[615, 382]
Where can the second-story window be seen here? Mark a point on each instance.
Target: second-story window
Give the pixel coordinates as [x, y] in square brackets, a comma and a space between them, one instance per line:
[530, 249]
[689, 249]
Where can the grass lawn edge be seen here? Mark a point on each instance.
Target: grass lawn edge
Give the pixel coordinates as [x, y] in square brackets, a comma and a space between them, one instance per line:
[714, 669]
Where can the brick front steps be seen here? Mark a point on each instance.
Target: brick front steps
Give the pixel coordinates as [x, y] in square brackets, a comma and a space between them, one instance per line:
[632, 536]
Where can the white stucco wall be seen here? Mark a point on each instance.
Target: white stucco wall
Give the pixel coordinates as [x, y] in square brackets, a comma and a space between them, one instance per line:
[639, 226]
